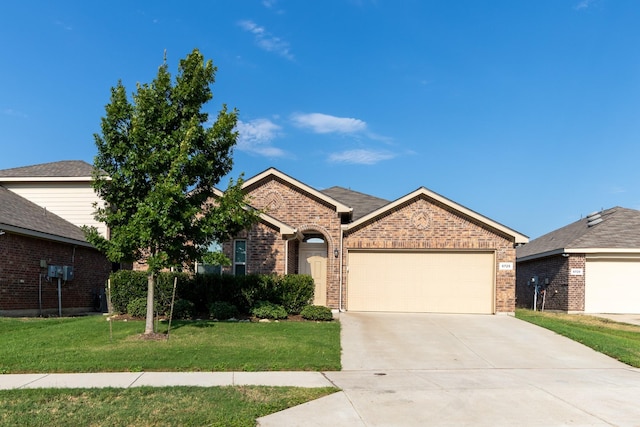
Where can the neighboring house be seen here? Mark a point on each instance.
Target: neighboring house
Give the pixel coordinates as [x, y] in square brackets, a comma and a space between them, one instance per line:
[420, 253]
[63, 188]
[591, 265]
[33, 238]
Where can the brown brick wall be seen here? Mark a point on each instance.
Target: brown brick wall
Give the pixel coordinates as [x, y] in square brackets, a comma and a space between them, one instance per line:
[302, 211]
[420, 224]
[426, 224]
[564, 292]
[553, 268]
[576, 283]
[20, 274]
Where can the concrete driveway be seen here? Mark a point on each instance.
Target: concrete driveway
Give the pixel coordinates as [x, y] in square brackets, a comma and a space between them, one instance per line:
[474, 370]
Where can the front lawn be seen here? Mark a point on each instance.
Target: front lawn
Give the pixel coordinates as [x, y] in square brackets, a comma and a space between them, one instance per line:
[83, 344]
[618, 340]
[170, 406]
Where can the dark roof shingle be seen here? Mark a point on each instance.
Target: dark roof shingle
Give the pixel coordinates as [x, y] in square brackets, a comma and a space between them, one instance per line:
[65, 168]
[361, 203]
[620, 228]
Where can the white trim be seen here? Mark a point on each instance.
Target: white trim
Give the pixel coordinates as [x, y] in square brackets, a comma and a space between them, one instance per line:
[518, 238]
[604, 252]
[233, 266]
[46, 236]
[284, 229]
[340, 208]
[541, 255]
[48, 178]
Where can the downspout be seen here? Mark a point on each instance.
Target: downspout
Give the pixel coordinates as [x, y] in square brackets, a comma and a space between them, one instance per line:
[341, 267]
[40, 295]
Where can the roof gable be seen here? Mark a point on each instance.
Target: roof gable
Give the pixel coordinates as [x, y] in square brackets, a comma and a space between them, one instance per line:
[422, 191]
[66, 170]
[618, 231]
[19, 215]
[272, 172]
[284, 229]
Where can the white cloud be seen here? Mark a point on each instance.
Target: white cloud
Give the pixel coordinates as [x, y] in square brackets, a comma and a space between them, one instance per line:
[584, 4]
[256, 136]
[360, 156]
[324, 123]
[266, 40]
[617, 190]
[13, 113]
[64, 26]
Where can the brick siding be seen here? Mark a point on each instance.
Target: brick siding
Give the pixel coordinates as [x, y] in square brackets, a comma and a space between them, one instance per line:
[565, 292]
[20, 274]
[418, 224]
[429, 225]
[308, 214]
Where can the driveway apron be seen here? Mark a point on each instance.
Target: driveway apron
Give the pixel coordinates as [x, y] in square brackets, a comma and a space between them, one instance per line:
[473, 370]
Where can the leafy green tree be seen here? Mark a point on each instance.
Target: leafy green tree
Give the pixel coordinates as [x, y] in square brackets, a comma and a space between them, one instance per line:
[157, 164]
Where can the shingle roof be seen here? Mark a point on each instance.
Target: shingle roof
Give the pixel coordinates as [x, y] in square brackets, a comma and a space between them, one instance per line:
[16, 211]
[65, 168]
[361, 203]
[619, 229]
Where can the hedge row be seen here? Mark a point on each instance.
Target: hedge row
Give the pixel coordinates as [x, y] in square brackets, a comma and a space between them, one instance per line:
[293, 292]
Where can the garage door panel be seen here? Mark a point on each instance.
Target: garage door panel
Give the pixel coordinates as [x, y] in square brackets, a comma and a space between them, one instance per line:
[437, 282]
[612, 286]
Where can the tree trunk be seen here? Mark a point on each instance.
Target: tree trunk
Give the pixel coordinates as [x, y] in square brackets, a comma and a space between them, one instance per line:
[151, 281]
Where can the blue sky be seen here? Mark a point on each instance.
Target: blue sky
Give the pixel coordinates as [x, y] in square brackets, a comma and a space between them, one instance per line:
[527, 112]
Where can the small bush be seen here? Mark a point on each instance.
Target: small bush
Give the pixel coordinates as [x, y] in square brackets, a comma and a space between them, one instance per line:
[183, 309]
[268, 310]
[222, 310]
[296, 291]
[127, 285]
[316, 312]
[137, 307]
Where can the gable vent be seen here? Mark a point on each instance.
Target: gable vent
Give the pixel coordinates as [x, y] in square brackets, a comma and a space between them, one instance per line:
[593, 219]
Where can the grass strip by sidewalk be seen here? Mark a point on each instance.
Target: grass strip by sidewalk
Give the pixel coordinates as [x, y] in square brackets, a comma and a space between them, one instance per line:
[170, 406]
[618, 340]
[83, 345]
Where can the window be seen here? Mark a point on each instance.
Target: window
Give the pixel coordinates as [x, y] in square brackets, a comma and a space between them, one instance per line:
[210, 265]
[239, 257]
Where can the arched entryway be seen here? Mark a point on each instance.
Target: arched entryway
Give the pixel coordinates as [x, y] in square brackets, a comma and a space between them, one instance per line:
[312, 260]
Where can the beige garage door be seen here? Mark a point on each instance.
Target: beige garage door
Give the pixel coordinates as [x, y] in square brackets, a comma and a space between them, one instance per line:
[429, 282]
[612, 286]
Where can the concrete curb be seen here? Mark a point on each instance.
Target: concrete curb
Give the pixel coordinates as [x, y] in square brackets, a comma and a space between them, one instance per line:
[162, 379]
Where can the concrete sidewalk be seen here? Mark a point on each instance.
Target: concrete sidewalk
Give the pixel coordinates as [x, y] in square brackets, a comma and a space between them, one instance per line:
[163, 379]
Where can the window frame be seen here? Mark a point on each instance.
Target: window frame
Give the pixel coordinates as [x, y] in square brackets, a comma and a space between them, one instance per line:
[236, 262]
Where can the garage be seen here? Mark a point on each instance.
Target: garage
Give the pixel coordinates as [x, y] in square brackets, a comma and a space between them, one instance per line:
[612, 285]
[421, 281]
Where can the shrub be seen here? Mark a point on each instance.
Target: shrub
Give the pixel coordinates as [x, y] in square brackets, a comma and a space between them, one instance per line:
[256, 288]
[163, 291]
[269, 310]
[137, 307]
[183, 309]
[127, 285]
[222, 310]
[316, 312]
[296, 291]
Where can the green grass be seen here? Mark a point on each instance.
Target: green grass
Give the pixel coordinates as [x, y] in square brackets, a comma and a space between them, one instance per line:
[83, 344]
[171, 406]
[618, 340]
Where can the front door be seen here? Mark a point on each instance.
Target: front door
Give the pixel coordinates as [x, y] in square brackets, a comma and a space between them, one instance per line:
[313, 261]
